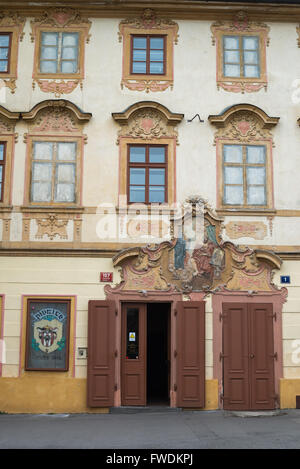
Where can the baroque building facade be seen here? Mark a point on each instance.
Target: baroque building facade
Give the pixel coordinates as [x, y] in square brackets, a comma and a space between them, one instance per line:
[150, 205]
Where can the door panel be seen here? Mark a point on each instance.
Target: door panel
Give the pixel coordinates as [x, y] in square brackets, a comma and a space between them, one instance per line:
[101, 348]
[262, 357]
[235, 356]
[133, 354]
[190, 354]
[248, 356]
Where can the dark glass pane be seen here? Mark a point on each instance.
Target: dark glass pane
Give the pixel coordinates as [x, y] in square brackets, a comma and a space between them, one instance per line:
[139, 43]
[157, 154]
[137, 176]
[4, 40]
[156, 43]
[137, 154]
[1, 152]
[1, 173]
[3, 65]
[156, 194]
[157, 177]
[156, 68]
[137, 194]
[139, 67]
[132, 337]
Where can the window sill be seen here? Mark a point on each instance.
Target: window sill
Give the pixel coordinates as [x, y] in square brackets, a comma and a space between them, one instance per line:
[264, 212]
[51, 208]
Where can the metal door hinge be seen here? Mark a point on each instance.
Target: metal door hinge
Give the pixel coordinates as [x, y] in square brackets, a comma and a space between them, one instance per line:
[175, 353]
[274, 316]
[222, 316]
[175, 387]
[275, 356]
[116, 353]
[115, 387]
[221, 356]
[222, 397]
[175, 312]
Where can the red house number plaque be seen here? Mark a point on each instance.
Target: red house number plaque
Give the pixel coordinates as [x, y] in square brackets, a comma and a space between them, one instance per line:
[106, 276]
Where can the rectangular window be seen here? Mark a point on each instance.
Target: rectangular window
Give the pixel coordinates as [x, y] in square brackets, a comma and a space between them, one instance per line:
[241, 56]
[47, 334]
[148, 55]
[5, 47]
[244, 173]
[59, 52]
[147, 178]
[2, 169]
[54, 172]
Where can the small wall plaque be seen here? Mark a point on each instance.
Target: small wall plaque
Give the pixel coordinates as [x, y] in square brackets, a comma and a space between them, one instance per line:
[106, 276]
[285, 279]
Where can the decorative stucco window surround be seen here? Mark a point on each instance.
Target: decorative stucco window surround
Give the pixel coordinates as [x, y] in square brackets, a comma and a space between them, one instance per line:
[244, 125]
[148, 24]
[54, 122]
[241, 27]
[60, 21]
[150, 123]
[11, 24]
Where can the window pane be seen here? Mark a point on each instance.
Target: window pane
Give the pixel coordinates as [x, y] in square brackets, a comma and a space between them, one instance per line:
[137, 194]
[1, 174]
[231, 70]
[233, 175]
[139, 55]
[43, 150]
[70, 39]
[65, 193]
[66, 151]
[250, 42]
[139, 67]
[256, 195]
[1, 152]
[3, 53]
[157, 154]
[65, 173]
[156, 194]
[233, 154]
[157, 177]
[255, 154]
[256, 176]
[139, 43]
[137, 154]
[157, 55]
[156, 43]
[132, 347]
[42, 171]
[156, 67]
[41, 192]
[231, 42]
[49, 53]
[4, 40]
[50, 39]
[69, 67]
[251, 57]
[3, 66]
[137, 176]
[232, 57]
[48, 67]
[69, 53]
[251, 71]
[233, 195]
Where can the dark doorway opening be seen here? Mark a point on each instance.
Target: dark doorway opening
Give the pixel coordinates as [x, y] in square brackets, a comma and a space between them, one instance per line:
[158, 354]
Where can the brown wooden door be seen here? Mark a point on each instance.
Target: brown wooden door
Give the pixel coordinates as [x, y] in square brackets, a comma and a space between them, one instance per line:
[101, 353]
[133, 387]
[190, 354]
[248, 356]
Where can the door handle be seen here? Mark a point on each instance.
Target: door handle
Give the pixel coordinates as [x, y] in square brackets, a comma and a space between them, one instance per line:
[252, 355]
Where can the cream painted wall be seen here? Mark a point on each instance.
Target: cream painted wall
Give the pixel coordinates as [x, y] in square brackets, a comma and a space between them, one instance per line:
[194, 92]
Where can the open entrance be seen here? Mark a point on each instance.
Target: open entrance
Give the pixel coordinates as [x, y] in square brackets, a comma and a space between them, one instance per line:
[145, 354]
[158, 353]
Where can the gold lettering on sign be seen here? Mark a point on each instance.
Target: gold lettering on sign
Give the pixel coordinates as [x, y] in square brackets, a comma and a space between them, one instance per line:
[247, 229]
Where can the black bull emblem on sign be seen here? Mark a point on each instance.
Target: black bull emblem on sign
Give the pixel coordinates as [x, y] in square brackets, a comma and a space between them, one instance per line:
[47, 335]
